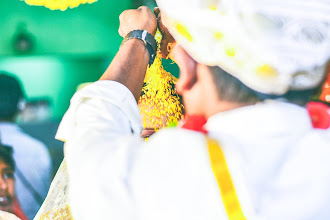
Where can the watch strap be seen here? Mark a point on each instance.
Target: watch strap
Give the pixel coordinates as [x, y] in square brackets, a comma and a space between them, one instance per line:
[147, 38]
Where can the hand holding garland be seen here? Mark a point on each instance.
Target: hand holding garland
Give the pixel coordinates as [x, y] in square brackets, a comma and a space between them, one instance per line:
[168, 42]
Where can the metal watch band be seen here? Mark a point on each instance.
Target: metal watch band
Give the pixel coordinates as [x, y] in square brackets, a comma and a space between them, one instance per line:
[148, 39]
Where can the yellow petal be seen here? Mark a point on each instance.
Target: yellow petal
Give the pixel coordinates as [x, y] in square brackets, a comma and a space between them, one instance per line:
[184, 31]
[266, 71]
[230, 52]
[218, 36]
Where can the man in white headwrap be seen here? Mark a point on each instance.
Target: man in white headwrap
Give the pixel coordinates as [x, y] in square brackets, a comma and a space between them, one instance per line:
[244, 65]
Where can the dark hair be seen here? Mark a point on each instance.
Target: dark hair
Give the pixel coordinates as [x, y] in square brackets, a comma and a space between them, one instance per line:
[294, 96]
[11, 93]
[6, 155]
[231, 89]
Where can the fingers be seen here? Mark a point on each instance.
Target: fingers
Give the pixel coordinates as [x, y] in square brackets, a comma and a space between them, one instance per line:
[121, 21]
[167, 41]
[145, 8]
[156, 11]
[121, 33]
[137, 19]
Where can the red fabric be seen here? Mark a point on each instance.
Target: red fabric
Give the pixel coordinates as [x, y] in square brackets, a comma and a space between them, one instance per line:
[325, 95]
[319, 114]
[18, 210]
[195, 123]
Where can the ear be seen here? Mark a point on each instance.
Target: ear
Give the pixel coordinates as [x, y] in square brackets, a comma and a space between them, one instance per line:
[187, 67]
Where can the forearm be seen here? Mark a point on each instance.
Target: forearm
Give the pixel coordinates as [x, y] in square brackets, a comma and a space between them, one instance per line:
[129, 66]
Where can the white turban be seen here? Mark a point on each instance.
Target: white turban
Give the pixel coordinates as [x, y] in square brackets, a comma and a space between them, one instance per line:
[272, 46]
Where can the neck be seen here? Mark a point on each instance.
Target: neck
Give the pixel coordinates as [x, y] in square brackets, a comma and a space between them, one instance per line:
[214, 104]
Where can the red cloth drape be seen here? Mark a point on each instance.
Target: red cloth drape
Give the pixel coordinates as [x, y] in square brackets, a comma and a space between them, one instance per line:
[18, 210]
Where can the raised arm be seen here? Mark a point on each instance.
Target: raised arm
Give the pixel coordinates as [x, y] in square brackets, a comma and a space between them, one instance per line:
[130, 64]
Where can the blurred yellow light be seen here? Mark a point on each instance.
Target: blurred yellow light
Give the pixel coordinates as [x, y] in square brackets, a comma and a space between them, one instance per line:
[58, 4]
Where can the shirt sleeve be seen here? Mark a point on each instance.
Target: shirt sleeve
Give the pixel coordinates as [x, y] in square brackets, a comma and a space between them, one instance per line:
[111, 100]
[101, 129]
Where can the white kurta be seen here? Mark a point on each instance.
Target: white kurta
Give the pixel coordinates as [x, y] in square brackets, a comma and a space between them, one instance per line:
[279, 164]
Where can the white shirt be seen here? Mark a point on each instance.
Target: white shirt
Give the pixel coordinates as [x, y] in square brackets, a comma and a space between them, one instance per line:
[279, 164]
[33, 160]
[7, 216]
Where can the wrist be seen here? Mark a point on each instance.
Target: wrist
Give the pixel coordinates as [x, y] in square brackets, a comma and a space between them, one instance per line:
[151, 31]
[148, 40]
[138, 47]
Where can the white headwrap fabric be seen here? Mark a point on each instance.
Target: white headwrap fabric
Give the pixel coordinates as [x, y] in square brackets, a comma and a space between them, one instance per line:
[272, 46]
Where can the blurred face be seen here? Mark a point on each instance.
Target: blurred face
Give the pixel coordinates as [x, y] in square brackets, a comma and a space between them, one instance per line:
[7, 190]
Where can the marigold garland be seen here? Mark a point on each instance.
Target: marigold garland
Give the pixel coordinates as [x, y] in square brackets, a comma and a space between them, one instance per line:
[58, 4]
[161, 103]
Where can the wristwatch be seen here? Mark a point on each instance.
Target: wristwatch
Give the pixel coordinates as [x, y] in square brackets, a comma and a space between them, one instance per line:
[148, 39]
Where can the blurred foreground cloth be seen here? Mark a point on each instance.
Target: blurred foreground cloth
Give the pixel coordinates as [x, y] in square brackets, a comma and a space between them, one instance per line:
[7, 216]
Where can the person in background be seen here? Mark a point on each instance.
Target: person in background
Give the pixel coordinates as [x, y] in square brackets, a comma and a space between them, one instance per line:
[248, 68]
[33, 162]
[8, 201]
[7, 181]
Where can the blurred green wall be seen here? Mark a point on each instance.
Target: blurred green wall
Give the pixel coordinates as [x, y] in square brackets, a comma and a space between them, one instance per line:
[54, 77]
[71, 47]
[90, 28]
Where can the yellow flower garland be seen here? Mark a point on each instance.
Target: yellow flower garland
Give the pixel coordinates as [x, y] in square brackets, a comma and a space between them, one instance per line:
[58, 4]
[161, 103]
